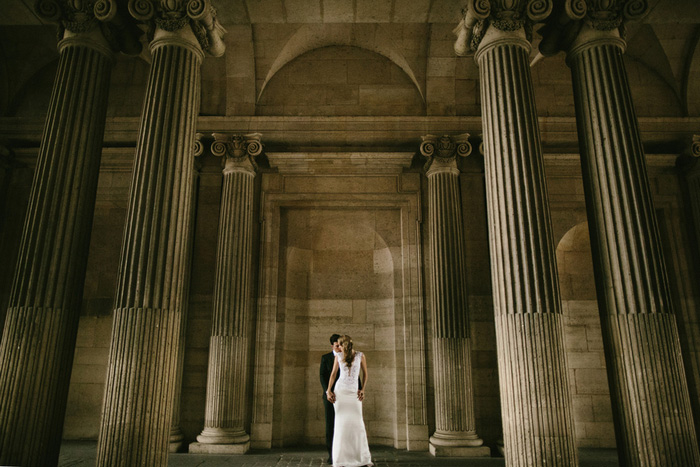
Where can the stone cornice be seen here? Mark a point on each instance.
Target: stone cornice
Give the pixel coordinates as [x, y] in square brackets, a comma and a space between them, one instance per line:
[659, 134]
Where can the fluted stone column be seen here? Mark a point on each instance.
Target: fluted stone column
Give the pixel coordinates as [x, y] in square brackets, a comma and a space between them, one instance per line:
[455, 425]
[177, 437]
[651, 405]
[36, 354]
[535, 397]
[139, 393]
[227, 379]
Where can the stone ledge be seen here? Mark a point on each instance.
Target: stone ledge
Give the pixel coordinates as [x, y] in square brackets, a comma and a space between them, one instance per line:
[202, 448]
[460, 451]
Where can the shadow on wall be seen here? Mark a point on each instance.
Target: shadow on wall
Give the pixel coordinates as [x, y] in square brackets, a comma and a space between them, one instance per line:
[336, 276]
[584, 342]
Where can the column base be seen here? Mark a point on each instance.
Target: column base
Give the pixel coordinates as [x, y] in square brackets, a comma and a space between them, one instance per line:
[176, 439]
[206, 448]
[459, 451]
[457, 444]
[223, 436]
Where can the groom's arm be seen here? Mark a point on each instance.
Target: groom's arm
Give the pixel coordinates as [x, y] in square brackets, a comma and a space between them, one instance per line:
[324, 375]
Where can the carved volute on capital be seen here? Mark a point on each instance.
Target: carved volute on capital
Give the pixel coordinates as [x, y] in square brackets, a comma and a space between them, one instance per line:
[504, 15]
[690, 158]
[74, 17]
[239, 151]
[442, 151]
[576, 21]
[174, 15]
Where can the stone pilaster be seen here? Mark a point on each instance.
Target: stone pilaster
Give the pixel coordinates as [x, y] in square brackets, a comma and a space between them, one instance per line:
[149, 302]
[36, 354]
[535, 397]
[227, 378]
[455, 426]
[651, 405]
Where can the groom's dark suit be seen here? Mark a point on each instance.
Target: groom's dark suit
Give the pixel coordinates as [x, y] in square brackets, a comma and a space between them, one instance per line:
[326, 370]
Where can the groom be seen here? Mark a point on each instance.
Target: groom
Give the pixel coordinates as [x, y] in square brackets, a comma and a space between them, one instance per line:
[326, 370]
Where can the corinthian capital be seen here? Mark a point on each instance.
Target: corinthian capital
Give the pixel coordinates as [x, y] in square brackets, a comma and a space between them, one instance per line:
[85, 16]
[173, 15]
[505, 15]
[688, 160]
[239, 151]
[601, 18]
[443, 150]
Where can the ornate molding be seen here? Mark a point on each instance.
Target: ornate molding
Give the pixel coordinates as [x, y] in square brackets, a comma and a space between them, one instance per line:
[504, 15]
[84, 16]
[606, 17]
[690, 158]
[173, 15]
[445, 149]
[237, 150]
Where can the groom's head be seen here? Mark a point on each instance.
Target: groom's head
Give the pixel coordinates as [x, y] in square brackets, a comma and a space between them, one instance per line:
[334, 342]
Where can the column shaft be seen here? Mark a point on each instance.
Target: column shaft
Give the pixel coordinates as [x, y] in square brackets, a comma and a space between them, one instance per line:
[455, 426]
[137, 410]
[176, 435]
[651, 405]
[228, 349]
[535, 396]
[36, 354]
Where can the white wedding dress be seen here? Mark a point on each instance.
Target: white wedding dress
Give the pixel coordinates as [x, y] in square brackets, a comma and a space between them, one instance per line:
[350, 447]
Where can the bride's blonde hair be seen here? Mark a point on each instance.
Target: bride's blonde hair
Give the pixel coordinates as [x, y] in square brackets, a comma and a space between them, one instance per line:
[348, 355]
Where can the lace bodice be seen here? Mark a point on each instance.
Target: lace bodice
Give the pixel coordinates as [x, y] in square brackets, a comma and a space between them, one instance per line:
[349, 376]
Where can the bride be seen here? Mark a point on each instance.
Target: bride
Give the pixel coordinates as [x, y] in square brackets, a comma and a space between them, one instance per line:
[350, 447]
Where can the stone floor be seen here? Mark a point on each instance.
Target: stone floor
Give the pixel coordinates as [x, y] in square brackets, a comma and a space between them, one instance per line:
[82, 454]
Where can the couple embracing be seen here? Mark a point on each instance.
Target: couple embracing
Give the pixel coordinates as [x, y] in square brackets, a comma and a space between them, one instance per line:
[346, 438]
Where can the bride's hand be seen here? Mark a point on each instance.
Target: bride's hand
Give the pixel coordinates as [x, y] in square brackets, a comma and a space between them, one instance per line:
[361, 395]
[330, 396]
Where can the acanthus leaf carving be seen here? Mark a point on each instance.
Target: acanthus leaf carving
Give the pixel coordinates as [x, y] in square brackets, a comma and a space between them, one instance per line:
[173, 15]
[81, 16]
[505, 15]
[568, 18]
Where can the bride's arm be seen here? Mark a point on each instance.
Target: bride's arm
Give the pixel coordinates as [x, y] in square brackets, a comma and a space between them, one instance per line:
[329, 392]
[365, 378]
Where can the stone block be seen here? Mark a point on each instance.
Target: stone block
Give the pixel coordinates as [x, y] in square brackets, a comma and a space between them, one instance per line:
[378, 95]
[86, 331]
[575, 339]
[359, 311]
[373, 11]
[582, 312]
[583, 411]
[586, 360]
[460, 451]
[337, 11]
[594, 338]
[91, 356]
[441, 67]
[591, 381]
[384, 337]
[88, 374]
[204, 448]
[325, 308]
[369, 71]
